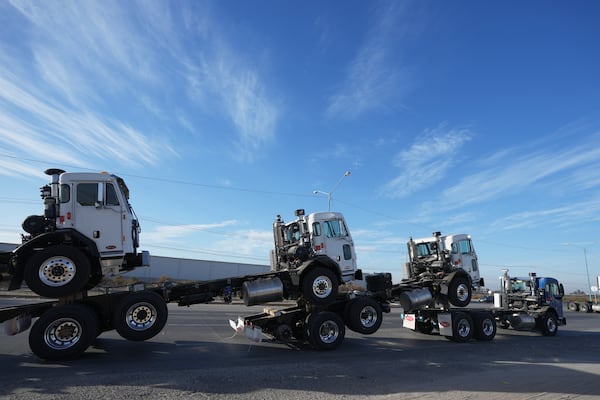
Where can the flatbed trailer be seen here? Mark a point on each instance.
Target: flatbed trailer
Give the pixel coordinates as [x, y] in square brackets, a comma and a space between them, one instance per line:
[66, 327]
[533, 303]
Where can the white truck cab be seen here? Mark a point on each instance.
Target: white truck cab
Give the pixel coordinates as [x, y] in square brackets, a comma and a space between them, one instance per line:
[438, 250]
[88, 230]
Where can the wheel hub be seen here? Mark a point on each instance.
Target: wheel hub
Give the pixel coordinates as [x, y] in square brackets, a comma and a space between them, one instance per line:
[141, 316]
[322, 287]
[62, 334]
[57, 271]
[328, 331]
[368, 317]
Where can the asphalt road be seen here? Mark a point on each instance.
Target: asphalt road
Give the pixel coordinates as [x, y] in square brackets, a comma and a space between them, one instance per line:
[197, 356]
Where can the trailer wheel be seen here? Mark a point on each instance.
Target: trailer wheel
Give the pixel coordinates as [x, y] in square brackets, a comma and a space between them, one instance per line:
[584, 308]
[320, 286]
[364, 315]
[572, 306]
[63, 332]
[459, 291]
[485, 326]
[140, 316]
[548, 324]
[325, 330]
[462, 327]
[57, 271]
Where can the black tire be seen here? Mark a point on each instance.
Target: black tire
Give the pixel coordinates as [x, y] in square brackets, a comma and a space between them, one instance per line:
[548, 324]
[140, 316]
[485, 326]
[459, 291]
[572, 306]
[57, 271]
[325, 330]
[364, 315]
[462, 327]
[320, 286]
[584, 308]
[63, 332]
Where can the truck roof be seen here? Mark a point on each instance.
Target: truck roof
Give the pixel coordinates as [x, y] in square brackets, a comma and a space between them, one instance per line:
[86, 176]
[432, 238]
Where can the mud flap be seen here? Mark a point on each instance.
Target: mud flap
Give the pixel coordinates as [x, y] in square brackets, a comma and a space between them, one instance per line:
[445, 324]
[410, 321]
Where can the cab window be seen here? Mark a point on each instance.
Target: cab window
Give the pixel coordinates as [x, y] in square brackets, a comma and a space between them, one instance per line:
[111, 195]
[465, 247]
[64, 193]
[335, 228]
[87, 194]
[316, 229]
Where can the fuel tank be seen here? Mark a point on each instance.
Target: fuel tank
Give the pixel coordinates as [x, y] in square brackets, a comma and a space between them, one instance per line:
[414, 299]
[262, 291]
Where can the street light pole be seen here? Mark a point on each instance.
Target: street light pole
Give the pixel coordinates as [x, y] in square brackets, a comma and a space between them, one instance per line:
[587, 273]
[330, 193]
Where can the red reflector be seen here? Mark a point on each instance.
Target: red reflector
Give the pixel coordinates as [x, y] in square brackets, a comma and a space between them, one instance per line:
[69, 215]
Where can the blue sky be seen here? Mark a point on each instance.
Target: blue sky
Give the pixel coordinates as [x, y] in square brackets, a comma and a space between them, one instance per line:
[457, 116]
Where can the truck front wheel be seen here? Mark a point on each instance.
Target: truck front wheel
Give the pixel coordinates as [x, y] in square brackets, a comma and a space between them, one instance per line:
[320, 286]
[549, 324]
[57, 271]
[140, 316]
[326, 330]
[459, 291]
[63, 332]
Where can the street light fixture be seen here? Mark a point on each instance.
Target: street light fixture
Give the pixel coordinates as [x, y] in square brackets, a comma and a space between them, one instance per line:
[330, 193]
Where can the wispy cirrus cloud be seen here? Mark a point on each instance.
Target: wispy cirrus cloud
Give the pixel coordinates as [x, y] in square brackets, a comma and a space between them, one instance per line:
[426, 161]
[377, 77]
[99, 79]
[168, 233]
[571, 214]
[521, 168]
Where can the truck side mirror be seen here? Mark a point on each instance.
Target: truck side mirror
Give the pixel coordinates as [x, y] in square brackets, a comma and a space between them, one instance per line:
[561, 291]
[100, 200]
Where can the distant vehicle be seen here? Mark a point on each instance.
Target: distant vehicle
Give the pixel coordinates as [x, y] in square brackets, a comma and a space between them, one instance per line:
[487, 299]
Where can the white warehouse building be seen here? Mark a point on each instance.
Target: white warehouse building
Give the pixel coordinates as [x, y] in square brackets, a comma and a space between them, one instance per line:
[184, 269]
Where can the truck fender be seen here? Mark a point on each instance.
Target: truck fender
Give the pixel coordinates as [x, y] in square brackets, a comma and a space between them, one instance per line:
[69, 237]
[322, 261]
[448, 278]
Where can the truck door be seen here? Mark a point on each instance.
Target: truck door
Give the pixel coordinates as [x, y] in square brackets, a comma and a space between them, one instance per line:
[467, 258]
[98, 214]
[553, 295]
[339, 246]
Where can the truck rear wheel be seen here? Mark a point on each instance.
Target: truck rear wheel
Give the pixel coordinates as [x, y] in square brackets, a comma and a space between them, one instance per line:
[364, 315]
[140, 316]
[63, 332]
[57, 271]
[325, 330]
[485, 326]
[584, 308]
[462, 327]
[548, 324]
[320, 286]
[459, 291]
[572, 306]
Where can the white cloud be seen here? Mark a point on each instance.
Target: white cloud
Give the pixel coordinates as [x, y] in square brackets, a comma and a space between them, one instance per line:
[375, 79]
[571, 214]
[168, 233]
[427, 160]
[514, 173]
